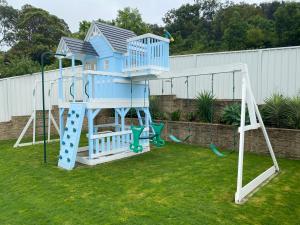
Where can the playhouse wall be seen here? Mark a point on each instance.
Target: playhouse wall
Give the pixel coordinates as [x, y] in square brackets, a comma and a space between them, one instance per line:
[108, 59]
[118, 88]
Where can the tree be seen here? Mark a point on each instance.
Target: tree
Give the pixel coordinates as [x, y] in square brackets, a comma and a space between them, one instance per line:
[188, 28]
[260, 33]
[287, 23]
[8, 21]
[38, 31]
[18, 66]
[83, 29]
[235, 34]
[269, 8]
[131, 19]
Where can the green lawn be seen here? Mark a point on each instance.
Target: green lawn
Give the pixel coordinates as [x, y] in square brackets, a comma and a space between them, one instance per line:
[177, 184]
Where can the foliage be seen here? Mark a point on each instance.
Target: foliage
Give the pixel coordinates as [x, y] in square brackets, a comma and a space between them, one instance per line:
[275, 110]
[175, 116]
[131, 113]
[209, 25]
[83, 29]
[235, 34]
[154, 108]
[131, 19]
[202, 26]
[18, 66]
[8, 21]
[205, 102]
[191, 116]
[38, 31]
[293, 108]
[231, 115]
[287, 22]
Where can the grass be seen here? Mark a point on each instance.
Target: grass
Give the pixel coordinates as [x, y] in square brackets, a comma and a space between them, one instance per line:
[177, 184]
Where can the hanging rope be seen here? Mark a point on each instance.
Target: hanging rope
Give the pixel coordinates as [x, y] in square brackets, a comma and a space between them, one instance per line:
[212, 146]
[189, 105]
[145, 89]
[212, 107]
[131, 119]
[171, 136]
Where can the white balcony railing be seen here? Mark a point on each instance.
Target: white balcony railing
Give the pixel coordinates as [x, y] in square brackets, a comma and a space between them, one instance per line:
[147, 51]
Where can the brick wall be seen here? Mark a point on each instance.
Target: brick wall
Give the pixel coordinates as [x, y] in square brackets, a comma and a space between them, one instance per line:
[169, 104]
[12, 129]
[285, 142]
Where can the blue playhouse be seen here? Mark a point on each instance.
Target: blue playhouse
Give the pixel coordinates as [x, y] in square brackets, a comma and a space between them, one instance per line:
[117, 67]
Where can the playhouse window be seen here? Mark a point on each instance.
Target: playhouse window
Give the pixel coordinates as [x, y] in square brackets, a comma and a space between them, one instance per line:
[106, 64]
[90, 66]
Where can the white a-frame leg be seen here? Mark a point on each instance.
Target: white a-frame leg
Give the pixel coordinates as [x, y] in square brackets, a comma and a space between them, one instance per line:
[255, 123]
[32, 120]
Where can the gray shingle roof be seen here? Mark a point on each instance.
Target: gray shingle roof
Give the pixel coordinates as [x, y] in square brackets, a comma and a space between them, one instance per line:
[116, 36]
[79, 46]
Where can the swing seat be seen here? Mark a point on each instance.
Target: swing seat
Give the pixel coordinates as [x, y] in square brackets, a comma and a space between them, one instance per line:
[157, 140]
[215, 150]
[136, 132]
[177, 140]
[151, 136]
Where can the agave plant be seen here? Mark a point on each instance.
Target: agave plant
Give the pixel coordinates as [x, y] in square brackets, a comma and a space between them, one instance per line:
[205, 102]
[275, 111]
[293, 115]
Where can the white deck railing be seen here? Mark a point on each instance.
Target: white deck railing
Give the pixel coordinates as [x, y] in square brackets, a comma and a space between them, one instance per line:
[108, 143]
[147, 51]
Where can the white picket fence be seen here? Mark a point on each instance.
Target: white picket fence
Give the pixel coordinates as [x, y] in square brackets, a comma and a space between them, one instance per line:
[270, 71]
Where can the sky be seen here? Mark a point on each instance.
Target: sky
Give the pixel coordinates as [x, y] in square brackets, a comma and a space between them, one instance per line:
[74, 11]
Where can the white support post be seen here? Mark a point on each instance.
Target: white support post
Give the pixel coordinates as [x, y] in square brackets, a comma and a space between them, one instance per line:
[139, 117]
[248, 100]
[242, 139]
[34, 113]
[17, 144]
[117, 121]
[73, 78]
[61, 124]
[91, 132]
[33, 117]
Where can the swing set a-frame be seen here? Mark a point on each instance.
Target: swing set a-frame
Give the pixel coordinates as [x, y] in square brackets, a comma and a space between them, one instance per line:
[247, 103]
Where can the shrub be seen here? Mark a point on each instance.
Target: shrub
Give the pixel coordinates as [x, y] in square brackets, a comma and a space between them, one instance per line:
[132, 113]
[293, 115]
[205, 102]
[275, 111]
[175, 116]
[191, 116]
[232, 115]
[154, 108]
